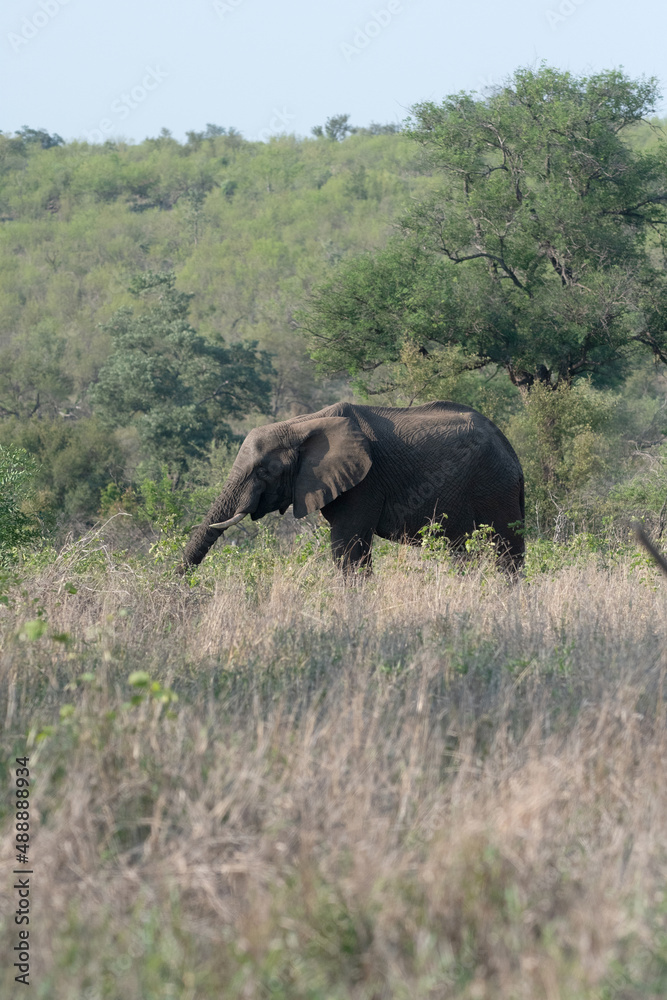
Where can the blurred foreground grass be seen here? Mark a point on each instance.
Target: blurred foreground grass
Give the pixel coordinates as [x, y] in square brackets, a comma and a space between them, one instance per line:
[260, 783]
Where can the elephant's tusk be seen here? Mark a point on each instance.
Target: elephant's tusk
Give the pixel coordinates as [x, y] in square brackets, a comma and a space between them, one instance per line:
[228, 524]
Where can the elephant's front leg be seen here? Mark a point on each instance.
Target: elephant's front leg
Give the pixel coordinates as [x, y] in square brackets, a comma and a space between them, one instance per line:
[353, 518]
[351, 553]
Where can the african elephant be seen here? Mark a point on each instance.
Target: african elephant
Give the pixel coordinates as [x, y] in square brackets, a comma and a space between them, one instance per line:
[374, 470]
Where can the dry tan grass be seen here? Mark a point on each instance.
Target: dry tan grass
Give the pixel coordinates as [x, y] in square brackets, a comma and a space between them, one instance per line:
[427, 786]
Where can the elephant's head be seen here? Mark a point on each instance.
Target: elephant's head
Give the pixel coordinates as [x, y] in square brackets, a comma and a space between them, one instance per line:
[307, 461]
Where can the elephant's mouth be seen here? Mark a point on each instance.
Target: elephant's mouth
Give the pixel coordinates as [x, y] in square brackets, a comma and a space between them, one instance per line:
[264, 500]
[274, 496]
[255, 506]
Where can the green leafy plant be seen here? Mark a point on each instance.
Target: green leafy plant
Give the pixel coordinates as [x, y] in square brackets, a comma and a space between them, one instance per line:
[564, 437]
[479, 543]
[19, 526]
[434, 542]
[149, 690]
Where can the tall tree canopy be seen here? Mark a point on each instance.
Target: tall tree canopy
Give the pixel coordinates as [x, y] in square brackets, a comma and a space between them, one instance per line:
[542, 250]
[175, 386]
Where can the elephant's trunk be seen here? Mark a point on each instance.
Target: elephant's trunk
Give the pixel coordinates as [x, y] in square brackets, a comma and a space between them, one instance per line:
[228, 509]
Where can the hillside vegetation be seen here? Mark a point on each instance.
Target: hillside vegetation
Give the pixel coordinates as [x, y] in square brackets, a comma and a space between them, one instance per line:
[247, 228]
[271, 247]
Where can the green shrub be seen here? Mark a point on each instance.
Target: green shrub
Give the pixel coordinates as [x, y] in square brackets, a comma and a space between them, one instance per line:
[19, 526]
[74, 460]
[560, 437]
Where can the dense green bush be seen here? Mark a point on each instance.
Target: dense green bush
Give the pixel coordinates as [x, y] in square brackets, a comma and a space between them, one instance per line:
[75, 459]
[19, 526]
[562, 437]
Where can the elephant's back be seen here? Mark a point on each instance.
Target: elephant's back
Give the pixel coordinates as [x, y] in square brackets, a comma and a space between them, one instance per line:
[457, 438]
[453, 425]
[445, 458]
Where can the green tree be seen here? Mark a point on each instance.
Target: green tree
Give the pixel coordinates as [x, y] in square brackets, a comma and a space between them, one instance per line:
[176, 387]
[40, 137]
[335, 128]
[541, 252]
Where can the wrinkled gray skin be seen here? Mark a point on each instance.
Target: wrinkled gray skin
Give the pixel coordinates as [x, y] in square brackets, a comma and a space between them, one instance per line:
[373, 470]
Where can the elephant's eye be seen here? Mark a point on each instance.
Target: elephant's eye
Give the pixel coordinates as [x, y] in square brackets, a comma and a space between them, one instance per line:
[271, 471]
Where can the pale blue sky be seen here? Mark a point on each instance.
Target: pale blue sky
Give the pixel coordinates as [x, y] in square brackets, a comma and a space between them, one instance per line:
[90, 69]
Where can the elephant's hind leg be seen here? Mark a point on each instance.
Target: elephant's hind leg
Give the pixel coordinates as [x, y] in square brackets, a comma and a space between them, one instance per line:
[510, 549]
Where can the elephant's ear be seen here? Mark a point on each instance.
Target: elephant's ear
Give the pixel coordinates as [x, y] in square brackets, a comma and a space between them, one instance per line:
[334, 456]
